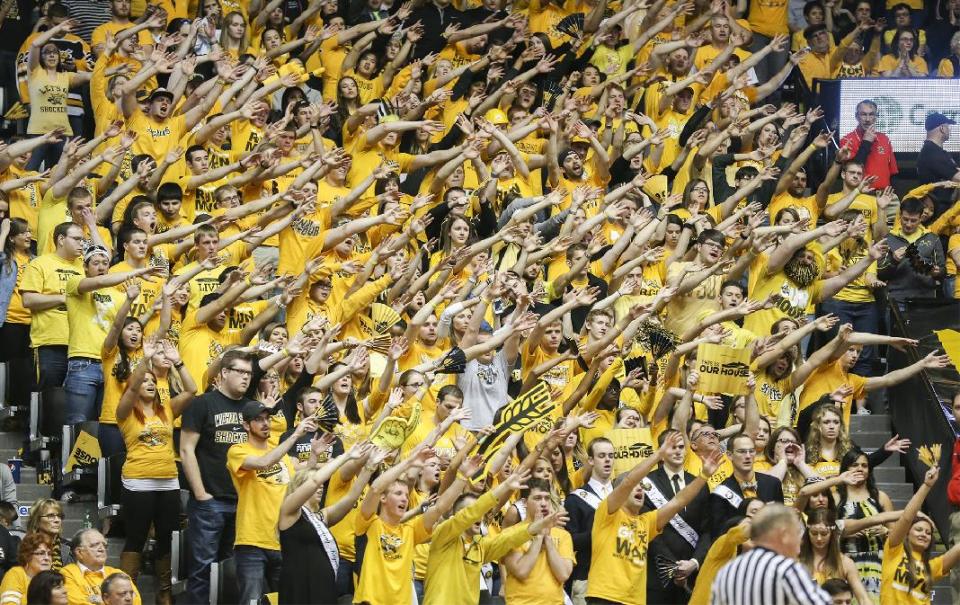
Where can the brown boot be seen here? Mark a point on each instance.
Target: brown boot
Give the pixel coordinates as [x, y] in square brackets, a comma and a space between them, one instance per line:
[164, 581]
[130, 564]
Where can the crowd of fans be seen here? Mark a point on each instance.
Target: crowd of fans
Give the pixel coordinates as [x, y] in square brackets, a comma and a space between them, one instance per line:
[296, 256]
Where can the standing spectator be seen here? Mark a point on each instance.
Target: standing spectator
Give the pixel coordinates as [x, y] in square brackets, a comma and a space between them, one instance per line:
[120, 11]
[685, 539]
[769, 572]
[83, 578]
[260, 475]
[44, 290]
[935, 164]
[870, 148]
[211, 426]
[89, 15]
[581, 505]
[49, 85]
[15, 236]
[914, 265]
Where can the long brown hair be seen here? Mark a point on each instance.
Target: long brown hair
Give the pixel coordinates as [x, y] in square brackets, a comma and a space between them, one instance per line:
[814, 438]
[833, 562]
[924, 554]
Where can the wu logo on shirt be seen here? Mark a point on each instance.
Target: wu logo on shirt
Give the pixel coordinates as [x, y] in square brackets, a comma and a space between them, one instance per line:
[631, 544]
[390, 546]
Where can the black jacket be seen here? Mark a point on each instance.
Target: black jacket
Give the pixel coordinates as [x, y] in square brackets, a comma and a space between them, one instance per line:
[670, 543]
[580, 527]
[769, 489]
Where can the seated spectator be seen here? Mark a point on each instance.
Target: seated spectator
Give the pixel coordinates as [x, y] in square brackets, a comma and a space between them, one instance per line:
[47, 587]
[84, 578]
[903, 60]
[33, 557]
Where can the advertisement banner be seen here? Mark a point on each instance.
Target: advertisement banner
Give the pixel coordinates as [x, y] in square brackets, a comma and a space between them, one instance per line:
[902, 106]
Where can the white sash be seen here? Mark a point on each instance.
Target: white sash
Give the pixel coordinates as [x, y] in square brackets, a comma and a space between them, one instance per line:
[521, 506]
[327, 540]
[729, 495]
[590, 498]
[683, 528]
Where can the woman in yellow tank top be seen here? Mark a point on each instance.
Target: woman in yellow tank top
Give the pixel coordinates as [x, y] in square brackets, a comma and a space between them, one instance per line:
[150, 484]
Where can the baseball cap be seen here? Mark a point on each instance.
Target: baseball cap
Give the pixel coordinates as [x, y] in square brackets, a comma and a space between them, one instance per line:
[935, 120]
[252, 409]
[160, 92]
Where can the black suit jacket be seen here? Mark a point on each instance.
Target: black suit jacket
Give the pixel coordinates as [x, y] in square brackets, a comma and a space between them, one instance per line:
[769, 489]
[670, 543]
[580, 527]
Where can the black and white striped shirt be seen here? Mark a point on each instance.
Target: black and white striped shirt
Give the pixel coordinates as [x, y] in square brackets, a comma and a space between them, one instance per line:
[763, 577]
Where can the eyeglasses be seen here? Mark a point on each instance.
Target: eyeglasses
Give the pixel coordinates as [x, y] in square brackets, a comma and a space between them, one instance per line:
[744, 452]
[241, 371]
[52, 516]
[714, 244]
[41, 553]
[787, 441]
[702, 189]
[707, 434]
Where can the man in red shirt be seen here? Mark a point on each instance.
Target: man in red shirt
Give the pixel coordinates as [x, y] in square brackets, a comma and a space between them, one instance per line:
[870, 148]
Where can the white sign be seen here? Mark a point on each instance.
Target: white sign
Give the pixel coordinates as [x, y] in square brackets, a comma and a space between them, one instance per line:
[903, 105]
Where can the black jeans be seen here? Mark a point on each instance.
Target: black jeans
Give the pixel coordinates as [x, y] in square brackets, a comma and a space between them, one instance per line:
[141, 509]
[16, 353]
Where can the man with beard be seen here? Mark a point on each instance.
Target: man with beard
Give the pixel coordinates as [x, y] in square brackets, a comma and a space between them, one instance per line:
[793, 276]
[581, 505]
[622, 531]
[577, 167]
[686, 538]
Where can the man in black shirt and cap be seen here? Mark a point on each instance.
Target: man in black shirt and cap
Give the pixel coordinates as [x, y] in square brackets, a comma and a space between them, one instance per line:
[935, 164]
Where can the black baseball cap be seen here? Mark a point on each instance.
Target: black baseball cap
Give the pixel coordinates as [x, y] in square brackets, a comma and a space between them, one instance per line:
[935, 120]
[252, 409]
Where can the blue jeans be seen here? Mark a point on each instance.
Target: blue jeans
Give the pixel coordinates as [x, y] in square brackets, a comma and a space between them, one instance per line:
[51, 366]
[210, 523]
[111, 440]
[45, 155]
[345, 577]
[258, 572]
[865, 317]
[84, 388]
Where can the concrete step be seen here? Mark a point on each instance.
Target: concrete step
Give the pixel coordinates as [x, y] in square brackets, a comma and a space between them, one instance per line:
[869, 423]
[889, 474]
[870, 439]
[897, 491]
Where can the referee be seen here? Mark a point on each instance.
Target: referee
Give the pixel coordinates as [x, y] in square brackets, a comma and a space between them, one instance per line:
[769, 574]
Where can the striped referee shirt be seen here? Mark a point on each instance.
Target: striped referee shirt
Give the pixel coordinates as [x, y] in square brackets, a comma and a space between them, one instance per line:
[763, 577]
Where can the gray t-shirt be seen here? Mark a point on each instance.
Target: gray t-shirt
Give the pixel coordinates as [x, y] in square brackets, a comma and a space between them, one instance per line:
[484, 390]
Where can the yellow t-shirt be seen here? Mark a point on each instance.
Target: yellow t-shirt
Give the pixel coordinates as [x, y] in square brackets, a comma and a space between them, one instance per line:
[792, 301]
[259, 495]
[863, 203]
[721, 552]
[149, 447]
[541, 585]
[48, 274]
[618, 564]
[113, 386]
[768, 17]
[200, 345]
[89, 316]
[889, 62]
[682, 311]
[828, 378]
[156, 138]
[295, 240]
[840, 258]
[13, 588]
[16, 313]
[895, 586]
[806, 207]
[386, 577]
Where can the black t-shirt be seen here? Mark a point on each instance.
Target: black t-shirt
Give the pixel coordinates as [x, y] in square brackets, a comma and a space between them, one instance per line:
[936, 164]
[15, 29]
[216, 418]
